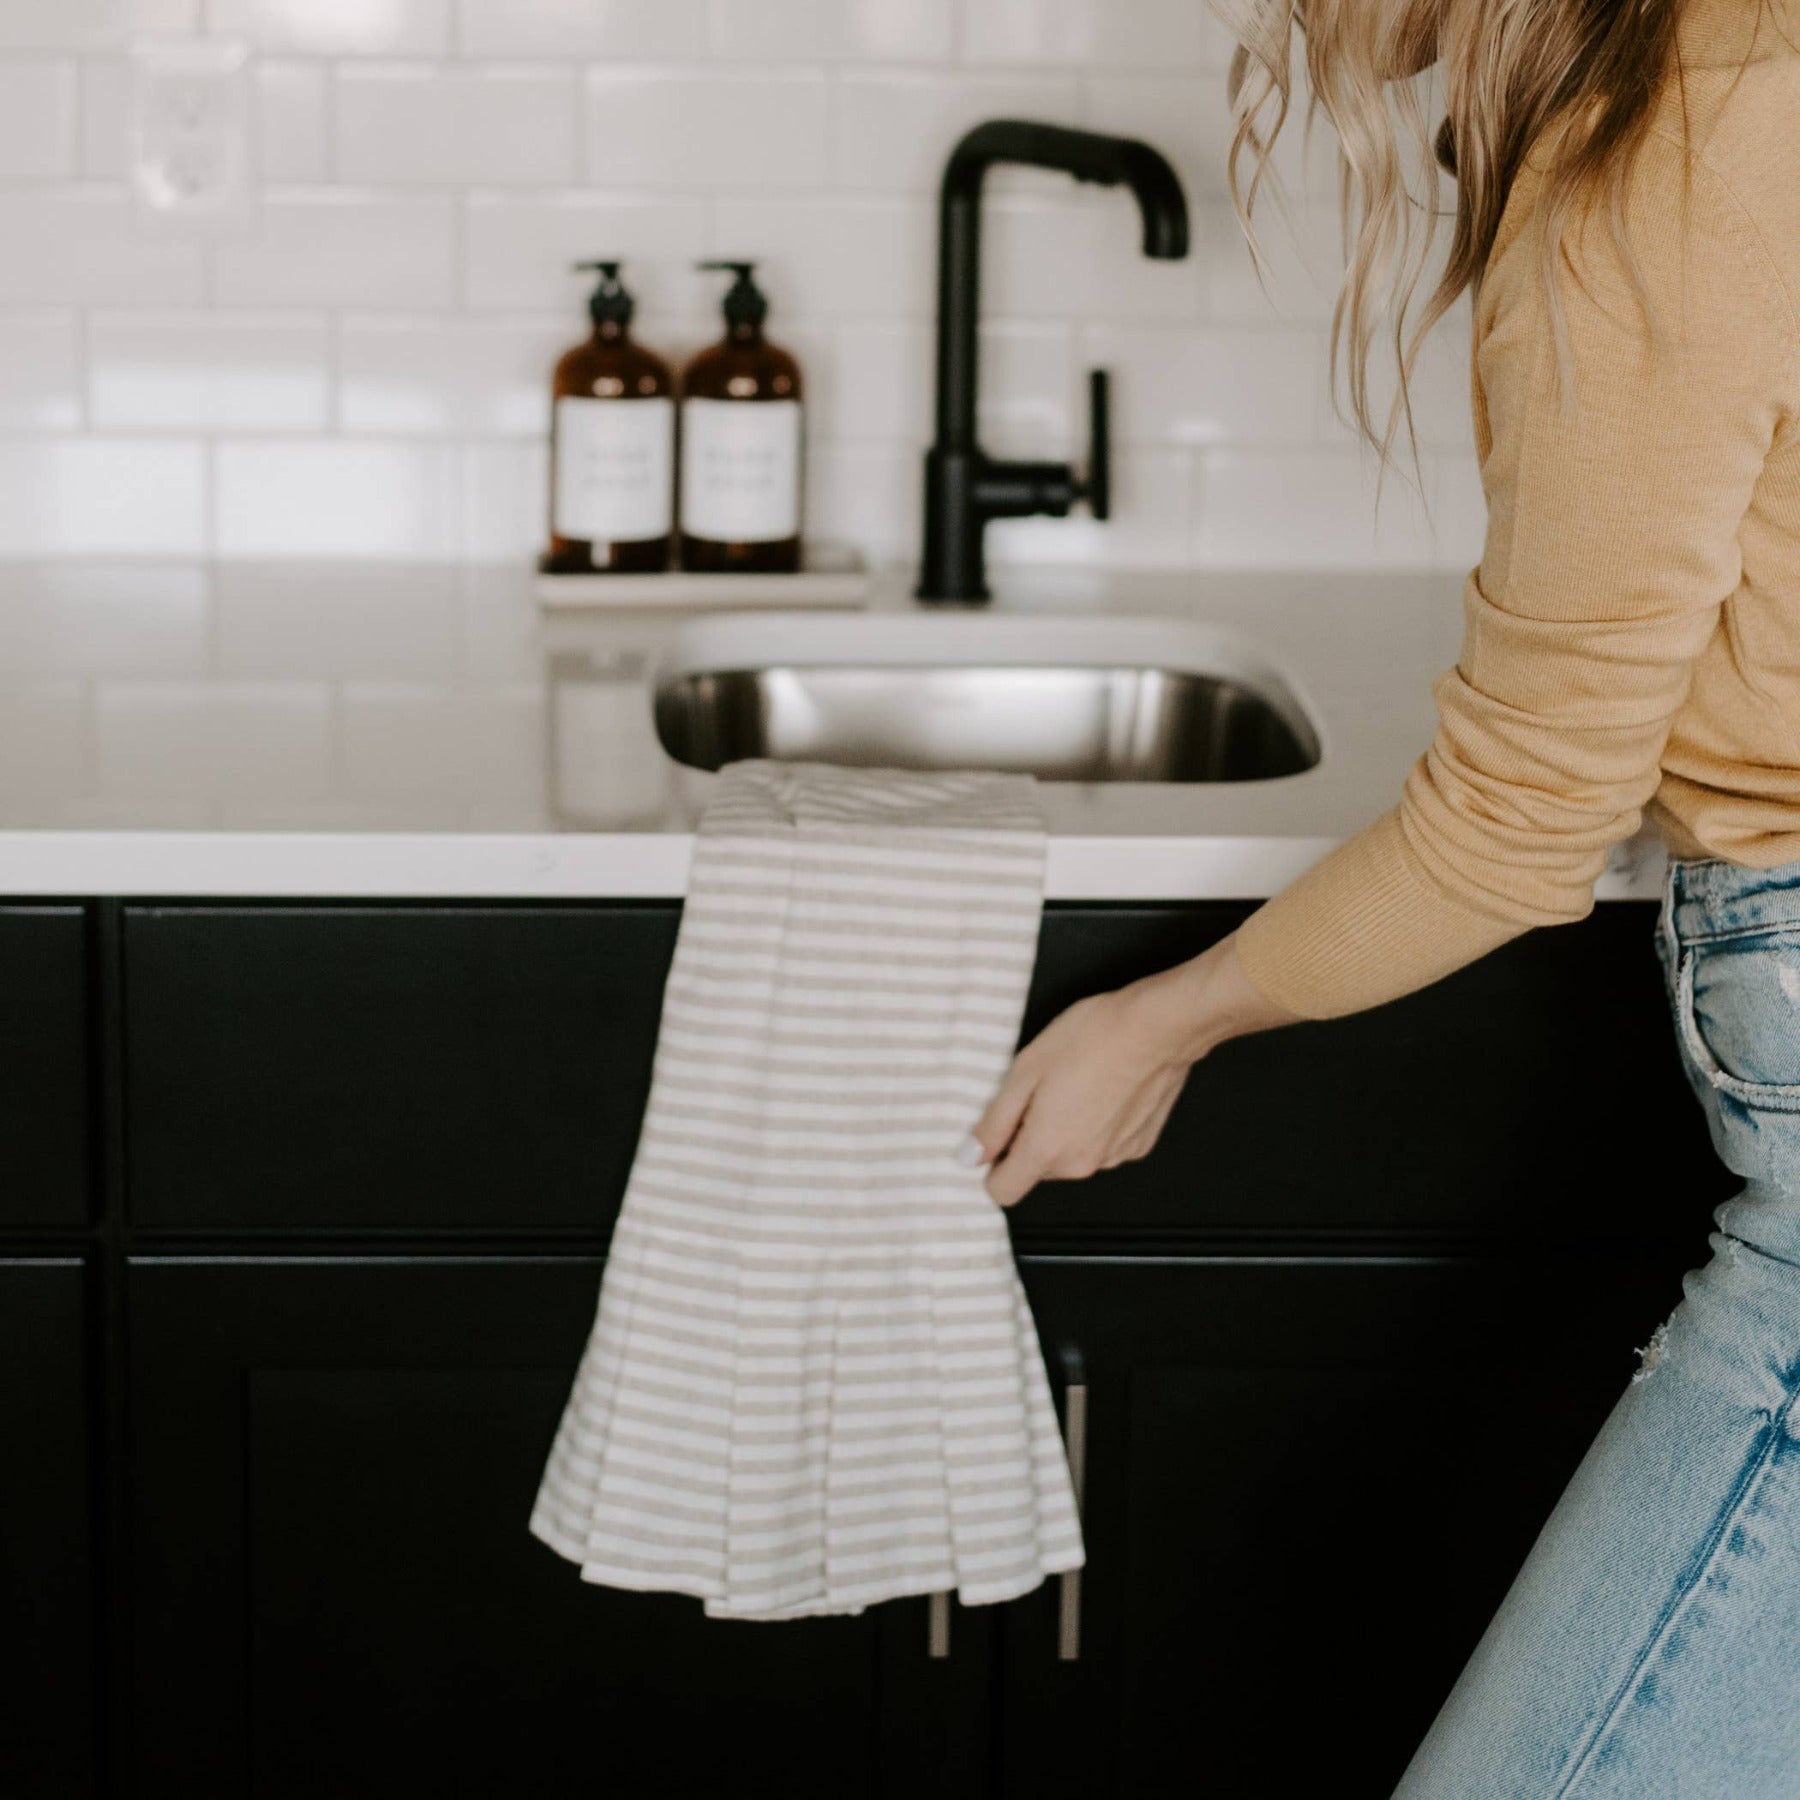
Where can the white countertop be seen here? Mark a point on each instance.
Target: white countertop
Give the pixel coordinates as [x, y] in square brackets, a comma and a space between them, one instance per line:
[370, 733]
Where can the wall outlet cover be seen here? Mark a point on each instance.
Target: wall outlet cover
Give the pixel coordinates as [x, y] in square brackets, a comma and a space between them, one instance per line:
[189, 134]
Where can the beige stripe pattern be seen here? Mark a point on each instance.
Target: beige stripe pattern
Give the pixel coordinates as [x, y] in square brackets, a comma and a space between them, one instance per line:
[814, 1382]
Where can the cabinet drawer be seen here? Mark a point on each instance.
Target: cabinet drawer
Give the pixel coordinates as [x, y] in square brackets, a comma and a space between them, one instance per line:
[1536, 1092]
[43, 1065]
[388, 1067]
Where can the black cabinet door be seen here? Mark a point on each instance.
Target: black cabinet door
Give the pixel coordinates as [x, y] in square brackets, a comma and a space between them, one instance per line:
[1466, 1110]
[337, 1594]
[43, 1065]
[1308, 1486]
[388, 1067]
[47, 1718]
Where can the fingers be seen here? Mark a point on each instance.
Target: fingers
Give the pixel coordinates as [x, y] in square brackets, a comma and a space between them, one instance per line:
[1016, 1173]
[996, 1127]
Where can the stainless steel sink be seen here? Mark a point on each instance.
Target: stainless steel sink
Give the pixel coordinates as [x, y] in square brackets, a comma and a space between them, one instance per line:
[1050, 698]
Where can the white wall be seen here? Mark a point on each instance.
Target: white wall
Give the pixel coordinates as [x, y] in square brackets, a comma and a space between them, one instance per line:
[361, 372]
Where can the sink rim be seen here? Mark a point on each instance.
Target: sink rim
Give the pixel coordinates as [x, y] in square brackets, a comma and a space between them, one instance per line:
[760, 641]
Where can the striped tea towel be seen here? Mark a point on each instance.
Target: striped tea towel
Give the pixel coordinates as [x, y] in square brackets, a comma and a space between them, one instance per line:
[814, 1381]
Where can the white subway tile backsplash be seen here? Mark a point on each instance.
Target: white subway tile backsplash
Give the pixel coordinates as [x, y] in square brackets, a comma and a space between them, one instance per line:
[288, 122]
[833, 256]
[375, 620]
[583, 28]
[896, 127]
[1082, 257]
[413, 124]
[1458, 508]
[1439, 390]
[292, 109]
[80, 244]
[208, 371]
[518, 251]
[1218, 43]
[336, 500]
[448, 377]
[342, 247]
[697, 127]
[1090, 34]
[372, 351]
[1302, 263]
[775, 30]
[104, 108]
[1188, 120]
[89, 24]
[40, 372]
[103, 619]
[870, 381]
[1027, 395]
[1203, 385]
[100, 497]
[214, 740]
[867, 495]
[505, 509]
[37, 118]
[1316, 508]
[921, 31]
[336, 27]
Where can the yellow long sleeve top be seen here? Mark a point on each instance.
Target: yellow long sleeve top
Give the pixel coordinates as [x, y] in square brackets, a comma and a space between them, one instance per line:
[1631, 643]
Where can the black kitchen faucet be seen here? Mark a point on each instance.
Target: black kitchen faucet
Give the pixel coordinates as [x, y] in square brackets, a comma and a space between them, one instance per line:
[964, 487]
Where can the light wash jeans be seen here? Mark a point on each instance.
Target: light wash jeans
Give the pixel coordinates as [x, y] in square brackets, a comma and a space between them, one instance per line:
[1650, 1648]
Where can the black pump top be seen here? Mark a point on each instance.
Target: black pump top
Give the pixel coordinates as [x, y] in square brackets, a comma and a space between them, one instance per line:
[610, 303]
[745, 302]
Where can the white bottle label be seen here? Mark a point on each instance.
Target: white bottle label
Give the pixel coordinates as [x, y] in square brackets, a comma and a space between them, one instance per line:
[615, 469]
[740, 470]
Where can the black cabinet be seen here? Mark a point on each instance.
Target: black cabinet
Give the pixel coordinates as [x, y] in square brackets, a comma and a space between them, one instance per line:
[1490, 1105]
[1343, 1338]
[337, 1594]
[388, 1068]
[46, 1568]
[412, 1069]
[44, 1065]
[1308, 1484]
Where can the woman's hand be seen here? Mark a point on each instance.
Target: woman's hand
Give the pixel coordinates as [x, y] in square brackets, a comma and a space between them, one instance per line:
[1095, 1087]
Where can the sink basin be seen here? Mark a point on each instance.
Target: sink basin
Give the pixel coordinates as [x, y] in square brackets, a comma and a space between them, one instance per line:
[1079, 700]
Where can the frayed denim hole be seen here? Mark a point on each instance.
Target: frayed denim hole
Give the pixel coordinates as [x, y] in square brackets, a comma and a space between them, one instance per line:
[1650, 1355]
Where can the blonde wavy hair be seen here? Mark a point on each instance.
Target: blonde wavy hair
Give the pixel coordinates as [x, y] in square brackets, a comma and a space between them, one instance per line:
[1579, 77]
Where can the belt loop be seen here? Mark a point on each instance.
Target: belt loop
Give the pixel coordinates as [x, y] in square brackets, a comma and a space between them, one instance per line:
[1671, 937]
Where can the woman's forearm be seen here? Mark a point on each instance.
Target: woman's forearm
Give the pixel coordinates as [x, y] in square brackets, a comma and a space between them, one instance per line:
[1094, 1088]
[1208, 1000]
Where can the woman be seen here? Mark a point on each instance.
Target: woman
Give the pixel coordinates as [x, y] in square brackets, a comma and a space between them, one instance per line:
[1628, 216]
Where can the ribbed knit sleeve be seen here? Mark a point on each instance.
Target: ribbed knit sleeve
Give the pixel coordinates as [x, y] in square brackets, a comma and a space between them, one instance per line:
[1614, 513]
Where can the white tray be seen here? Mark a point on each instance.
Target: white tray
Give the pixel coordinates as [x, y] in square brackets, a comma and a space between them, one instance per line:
[832, 577]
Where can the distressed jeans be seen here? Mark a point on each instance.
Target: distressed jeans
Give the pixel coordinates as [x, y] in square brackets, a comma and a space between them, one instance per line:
[1650, 1647]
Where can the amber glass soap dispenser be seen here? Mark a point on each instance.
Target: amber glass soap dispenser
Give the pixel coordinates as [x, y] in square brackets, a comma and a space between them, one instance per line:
[612, 475]
[741, 445]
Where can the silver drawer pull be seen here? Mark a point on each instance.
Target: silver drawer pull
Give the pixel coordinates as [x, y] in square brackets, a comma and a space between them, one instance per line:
[1075, 1438]
[937, 1630]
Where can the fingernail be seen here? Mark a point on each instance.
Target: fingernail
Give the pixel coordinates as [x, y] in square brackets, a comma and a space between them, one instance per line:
[970, 1153]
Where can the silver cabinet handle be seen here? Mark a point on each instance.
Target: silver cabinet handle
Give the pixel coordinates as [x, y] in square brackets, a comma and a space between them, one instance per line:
[937, 1629]
[1075, 1439]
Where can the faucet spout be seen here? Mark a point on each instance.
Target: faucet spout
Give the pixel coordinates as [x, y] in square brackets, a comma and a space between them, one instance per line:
[1088, 156]
[963, 489]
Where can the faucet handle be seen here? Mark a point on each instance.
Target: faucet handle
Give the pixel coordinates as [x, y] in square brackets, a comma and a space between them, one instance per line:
[1097, 489]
